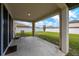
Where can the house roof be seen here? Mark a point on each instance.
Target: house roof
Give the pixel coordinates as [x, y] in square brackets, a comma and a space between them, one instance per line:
[72, 5]
[74, 21]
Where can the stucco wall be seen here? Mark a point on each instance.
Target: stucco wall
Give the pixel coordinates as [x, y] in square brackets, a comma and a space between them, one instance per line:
[74, 25]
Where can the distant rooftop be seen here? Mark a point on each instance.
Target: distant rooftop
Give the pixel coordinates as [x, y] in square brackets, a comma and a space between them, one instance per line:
[74, 21]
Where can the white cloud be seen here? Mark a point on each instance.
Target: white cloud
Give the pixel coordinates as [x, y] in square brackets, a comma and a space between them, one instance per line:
[72, 14]
[49, 24]
[56, 17]
[39, 24]
[70, 19]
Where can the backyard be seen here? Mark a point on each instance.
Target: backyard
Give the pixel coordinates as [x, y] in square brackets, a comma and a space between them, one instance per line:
[53, 37]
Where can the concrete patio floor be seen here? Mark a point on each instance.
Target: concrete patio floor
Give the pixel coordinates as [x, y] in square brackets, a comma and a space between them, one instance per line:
[34, 46]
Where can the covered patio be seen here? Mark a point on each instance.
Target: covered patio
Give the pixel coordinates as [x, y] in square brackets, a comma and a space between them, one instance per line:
[33, 13]
[35, 46]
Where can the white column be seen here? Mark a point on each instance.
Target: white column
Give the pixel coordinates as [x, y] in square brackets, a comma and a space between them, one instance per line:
[64, 39]
[14, 29]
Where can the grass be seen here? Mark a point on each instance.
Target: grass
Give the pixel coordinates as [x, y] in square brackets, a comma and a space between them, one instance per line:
[53, 37]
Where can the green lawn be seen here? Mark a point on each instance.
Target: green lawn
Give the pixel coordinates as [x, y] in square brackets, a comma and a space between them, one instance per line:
[53, 37]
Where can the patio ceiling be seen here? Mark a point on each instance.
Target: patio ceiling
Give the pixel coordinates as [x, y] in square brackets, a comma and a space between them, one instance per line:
[38, 11]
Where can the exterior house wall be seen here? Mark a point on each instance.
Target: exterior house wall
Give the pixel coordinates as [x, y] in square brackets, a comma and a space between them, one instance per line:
[6, 30]
[74, 25]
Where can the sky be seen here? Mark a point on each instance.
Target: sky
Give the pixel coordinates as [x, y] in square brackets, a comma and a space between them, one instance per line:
[54, 21]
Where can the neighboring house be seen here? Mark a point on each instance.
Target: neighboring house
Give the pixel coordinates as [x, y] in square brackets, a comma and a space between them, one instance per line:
[22, 25]
[74, 24]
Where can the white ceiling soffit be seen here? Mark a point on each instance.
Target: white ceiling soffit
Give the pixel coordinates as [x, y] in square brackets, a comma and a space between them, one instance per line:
[37, 11]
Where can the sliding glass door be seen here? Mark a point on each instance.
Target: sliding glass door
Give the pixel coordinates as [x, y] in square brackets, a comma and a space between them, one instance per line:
[0, 29]
[5, 30]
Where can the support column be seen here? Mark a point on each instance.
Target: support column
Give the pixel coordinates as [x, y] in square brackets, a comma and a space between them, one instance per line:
[33, 28]
[64, 39]
[14, 29]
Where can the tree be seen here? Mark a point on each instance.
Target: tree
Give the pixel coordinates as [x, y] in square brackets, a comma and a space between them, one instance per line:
[44, 28]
